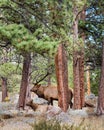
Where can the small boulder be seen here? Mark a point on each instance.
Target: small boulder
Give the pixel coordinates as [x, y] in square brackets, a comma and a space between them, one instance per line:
[91, 96]
[90, 100]
[38, 100]
[79, 112]
[52, 112]
[64, 118]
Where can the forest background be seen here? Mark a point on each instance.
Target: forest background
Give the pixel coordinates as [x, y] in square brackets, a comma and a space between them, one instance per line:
[31, 30]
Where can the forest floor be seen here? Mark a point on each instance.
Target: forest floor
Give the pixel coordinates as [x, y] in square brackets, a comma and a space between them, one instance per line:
[12, 119]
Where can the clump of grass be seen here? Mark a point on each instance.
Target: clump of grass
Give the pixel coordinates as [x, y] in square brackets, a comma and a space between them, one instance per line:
[54, 125]
[43, 125]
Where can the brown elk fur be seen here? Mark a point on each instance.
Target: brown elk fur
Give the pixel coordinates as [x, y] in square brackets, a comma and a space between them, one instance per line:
[50, 93]
[37, 107]
[33, 106]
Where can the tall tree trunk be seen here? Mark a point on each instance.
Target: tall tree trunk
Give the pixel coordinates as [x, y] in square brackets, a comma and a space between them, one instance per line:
[49, 80]
[76, 63]
[81, 70]
[4, 79]
[76, 74]
[100, 106]
[4, 88]
[24, 81]
[82, 90]
[62, 78]
[49, 76]
[88, 80]
[28, 92]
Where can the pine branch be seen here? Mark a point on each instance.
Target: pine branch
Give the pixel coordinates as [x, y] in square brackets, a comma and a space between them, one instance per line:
[22, 5]
[18, 12]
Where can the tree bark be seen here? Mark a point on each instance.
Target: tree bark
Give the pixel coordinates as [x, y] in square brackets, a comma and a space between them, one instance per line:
[100, 105]
[24, 81]
[81, 70]
[4, 88]
[49, 76]
[76, 74]
[78, 64]
[88, 80]
[62, 78]
[28, 93]
[82, 90]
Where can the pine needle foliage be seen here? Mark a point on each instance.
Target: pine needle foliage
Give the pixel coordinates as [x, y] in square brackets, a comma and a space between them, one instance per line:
[23, 40]
[38, 25]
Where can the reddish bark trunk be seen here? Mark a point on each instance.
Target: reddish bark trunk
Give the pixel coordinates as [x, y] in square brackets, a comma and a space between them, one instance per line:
[76, 74]
[4, 89]
[100, 106]
[78, 65]
[28, 94]
[81, 70]
[62, 78]
[24, 81]
[82, 90]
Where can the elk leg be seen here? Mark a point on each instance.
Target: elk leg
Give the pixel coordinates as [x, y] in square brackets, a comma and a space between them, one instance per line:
[50, 101]
[71, 104]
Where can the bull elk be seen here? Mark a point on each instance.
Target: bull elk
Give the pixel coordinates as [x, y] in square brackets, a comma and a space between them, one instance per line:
[50, 93]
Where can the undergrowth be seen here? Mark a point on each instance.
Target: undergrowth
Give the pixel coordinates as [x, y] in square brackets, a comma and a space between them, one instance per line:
[54, 125]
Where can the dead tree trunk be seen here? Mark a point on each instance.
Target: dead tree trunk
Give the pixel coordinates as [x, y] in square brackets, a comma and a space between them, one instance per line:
[4, 88]
[100, 106]
[24, 81]
[62, 78]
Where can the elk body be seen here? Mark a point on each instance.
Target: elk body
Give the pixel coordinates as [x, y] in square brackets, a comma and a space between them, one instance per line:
[37, 107]
[50, 93]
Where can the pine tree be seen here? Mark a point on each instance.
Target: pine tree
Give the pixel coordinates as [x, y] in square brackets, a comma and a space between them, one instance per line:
[100, 107]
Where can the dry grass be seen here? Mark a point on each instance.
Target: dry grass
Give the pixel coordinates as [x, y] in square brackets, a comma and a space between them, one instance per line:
[90, 123]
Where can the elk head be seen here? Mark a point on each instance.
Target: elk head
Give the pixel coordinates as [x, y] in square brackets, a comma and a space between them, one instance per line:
[35, 88]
